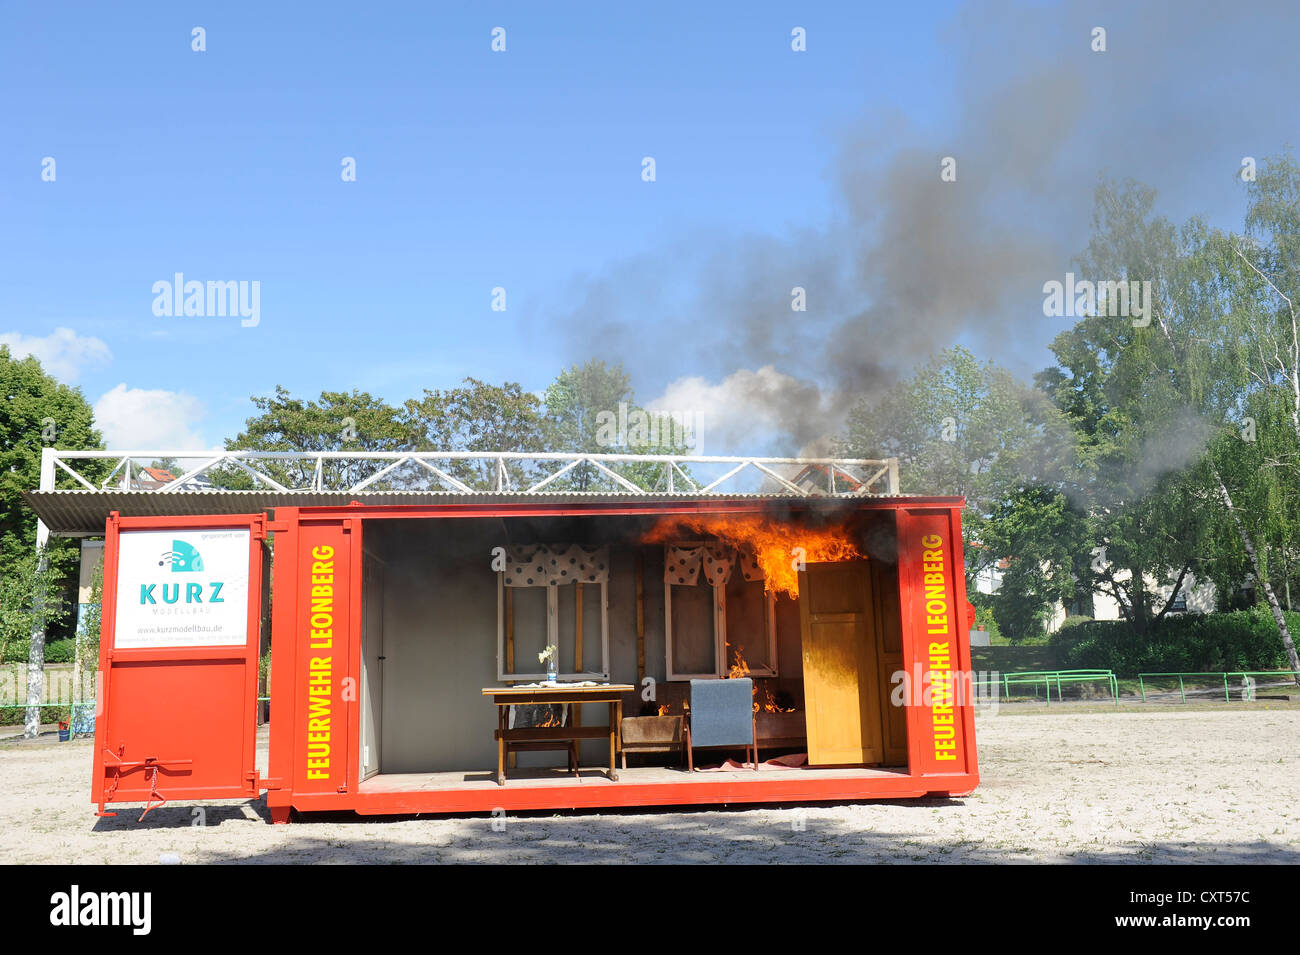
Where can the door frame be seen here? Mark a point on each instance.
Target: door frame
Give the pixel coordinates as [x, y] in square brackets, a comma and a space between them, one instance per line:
[371, 709]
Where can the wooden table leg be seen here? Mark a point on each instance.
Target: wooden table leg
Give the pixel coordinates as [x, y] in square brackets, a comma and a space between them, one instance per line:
[501, 745]
[575, 747]
[615, 707]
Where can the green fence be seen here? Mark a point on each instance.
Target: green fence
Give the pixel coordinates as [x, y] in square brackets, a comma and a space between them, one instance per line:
[1049, 678]
[1060, 677]
[1224, 674]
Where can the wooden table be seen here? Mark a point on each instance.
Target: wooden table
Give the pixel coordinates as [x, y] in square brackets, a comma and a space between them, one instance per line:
[507, 696]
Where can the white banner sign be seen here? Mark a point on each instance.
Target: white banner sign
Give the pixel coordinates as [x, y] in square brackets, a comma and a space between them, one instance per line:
[182, 588]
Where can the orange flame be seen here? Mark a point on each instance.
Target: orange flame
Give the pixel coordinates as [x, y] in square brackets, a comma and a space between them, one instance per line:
[663, 709]
[551, 720]
[779, 548]
[770, 705]
[739, 668]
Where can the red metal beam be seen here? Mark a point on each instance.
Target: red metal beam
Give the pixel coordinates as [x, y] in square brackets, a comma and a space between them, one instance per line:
[525, 508]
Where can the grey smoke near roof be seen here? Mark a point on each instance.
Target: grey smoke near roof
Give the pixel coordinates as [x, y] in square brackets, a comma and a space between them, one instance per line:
[913, 264]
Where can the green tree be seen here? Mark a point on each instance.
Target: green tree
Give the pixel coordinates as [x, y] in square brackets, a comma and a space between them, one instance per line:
[36, 412]
[1039, 538]
[1257, 344]
[339, 421]
[479, 416]
[1139, 391]
[584, 405]
[960, 426]
[31, 599]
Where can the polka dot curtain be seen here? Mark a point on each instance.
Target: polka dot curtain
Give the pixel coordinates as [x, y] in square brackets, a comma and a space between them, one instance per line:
[549, 565]
[683, 563]
[749, 564]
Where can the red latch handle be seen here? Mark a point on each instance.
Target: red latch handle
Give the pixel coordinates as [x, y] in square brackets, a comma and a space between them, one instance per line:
[115, 761]
[151, 765]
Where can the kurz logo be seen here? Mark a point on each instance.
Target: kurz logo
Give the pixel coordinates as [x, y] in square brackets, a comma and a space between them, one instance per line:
[184, 558]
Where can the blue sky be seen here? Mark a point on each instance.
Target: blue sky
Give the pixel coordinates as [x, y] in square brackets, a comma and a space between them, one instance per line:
[475, 170]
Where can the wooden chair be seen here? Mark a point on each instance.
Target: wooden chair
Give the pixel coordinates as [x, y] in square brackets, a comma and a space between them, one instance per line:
[652, 734]
[722, 715]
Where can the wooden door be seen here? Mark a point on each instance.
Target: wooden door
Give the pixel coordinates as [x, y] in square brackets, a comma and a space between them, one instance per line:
[840, 673]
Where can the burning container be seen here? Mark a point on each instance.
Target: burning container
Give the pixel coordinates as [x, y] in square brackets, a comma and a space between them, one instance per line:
[394, 628]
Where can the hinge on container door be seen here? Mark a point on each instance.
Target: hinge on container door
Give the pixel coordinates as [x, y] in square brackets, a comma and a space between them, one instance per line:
[264, 527]
[112, 789]
[258, 783]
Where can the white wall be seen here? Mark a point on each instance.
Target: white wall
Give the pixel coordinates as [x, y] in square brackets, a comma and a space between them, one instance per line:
[1200, 596]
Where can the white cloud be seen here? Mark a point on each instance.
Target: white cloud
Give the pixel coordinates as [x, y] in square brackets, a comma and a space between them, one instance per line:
[63, 353]
[751, 412]
[149, 419]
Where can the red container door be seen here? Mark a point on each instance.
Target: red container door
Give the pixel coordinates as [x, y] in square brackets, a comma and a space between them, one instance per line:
[179, 660]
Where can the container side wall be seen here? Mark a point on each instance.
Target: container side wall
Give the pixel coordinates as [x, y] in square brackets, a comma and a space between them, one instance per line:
[935, 642]
[326, 688]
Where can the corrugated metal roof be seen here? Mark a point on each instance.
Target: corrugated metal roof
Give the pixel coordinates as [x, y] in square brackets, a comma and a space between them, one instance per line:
[81, 512]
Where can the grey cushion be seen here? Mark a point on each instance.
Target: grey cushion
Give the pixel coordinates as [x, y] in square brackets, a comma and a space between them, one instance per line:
[722, 712]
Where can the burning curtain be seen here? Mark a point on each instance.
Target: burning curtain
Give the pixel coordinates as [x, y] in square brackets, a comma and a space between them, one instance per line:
[543, 565]
[683, 563]
[749, 564]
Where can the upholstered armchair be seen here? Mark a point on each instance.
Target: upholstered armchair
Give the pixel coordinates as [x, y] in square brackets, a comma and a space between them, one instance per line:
[721, 715]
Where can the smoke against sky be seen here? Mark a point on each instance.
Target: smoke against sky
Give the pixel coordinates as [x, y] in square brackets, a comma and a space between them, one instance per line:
[910, 264]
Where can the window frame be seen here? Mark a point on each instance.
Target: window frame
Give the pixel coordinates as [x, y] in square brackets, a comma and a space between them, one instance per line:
[552, 632]
[719, 616]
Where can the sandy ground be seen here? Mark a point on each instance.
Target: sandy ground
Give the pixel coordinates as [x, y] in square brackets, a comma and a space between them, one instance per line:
[1182, 785]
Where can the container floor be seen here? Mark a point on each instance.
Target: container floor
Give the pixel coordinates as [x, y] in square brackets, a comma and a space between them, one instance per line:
[598, 776]
[541, 789]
